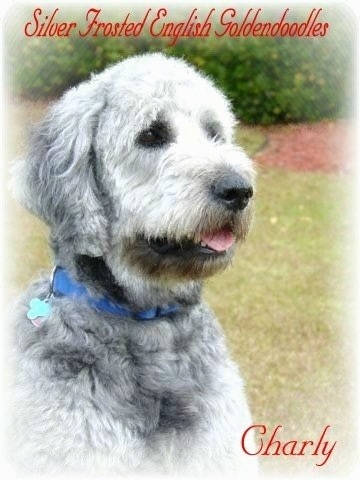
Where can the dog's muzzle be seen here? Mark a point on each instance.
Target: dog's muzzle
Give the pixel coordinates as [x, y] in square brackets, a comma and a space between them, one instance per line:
[232, 191]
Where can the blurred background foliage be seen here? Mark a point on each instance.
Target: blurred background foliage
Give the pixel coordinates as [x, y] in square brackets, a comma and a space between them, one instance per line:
[285, 303]
[269, 80]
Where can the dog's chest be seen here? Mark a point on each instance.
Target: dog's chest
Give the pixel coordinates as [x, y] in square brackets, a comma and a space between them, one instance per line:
[150, 382]
[163, 380]
[165, 386]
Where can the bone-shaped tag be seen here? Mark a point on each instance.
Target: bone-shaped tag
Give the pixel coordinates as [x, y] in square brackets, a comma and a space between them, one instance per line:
[38, 308]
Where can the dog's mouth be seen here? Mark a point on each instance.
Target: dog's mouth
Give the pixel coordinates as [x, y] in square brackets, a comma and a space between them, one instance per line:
[214, 243]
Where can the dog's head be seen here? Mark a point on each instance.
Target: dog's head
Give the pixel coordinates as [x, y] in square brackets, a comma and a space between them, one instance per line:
[138, 166]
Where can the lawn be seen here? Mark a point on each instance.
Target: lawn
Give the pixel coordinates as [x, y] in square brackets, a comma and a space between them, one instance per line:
[283, 303]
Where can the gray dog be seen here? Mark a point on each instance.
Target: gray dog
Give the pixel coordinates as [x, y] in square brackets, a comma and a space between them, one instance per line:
[119, 365]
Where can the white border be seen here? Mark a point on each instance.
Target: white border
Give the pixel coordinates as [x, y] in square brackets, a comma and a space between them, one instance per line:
[354, 5]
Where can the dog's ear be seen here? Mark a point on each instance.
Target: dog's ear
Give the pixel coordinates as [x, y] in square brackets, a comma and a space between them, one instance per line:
[56, 179]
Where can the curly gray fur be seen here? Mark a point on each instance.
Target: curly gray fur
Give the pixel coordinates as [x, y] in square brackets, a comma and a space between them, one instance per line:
[94, 392]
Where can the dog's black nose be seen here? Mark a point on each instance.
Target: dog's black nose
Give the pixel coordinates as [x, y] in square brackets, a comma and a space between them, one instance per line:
[233, 191]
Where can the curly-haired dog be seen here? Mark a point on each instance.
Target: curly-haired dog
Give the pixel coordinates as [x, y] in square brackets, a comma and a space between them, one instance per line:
[120, 366]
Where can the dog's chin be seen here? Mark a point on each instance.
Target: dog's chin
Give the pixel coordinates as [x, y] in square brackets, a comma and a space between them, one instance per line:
[186, 259]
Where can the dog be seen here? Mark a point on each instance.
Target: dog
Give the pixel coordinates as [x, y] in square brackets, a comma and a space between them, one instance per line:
[119, 365]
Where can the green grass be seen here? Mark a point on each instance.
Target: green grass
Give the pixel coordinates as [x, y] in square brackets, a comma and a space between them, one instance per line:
[281, 304]
[25, 235]
[250, 138]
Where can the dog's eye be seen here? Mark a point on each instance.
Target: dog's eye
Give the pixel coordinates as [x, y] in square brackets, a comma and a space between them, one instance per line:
[157, 135]
[214, 132]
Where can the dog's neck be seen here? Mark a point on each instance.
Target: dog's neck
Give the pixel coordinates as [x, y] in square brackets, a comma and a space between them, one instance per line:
[138, 293]
[93, 271]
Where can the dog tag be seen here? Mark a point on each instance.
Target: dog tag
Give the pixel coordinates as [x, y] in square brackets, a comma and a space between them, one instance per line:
[38, 308]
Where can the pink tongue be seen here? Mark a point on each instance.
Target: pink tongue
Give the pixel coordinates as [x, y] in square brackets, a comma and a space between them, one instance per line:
[219, 241]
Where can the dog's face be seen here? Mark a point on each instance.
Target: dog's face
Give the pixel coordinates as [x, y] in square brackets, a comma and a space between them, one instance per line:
[158, 186]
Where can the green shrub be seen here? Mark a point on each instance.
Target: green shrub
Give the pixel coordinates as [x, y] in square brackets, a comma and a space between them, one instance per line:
[269, 80]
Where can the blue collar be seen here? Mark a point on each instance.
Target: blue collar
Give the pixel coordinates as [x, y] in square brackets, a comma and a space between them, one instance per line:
[62, 285]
